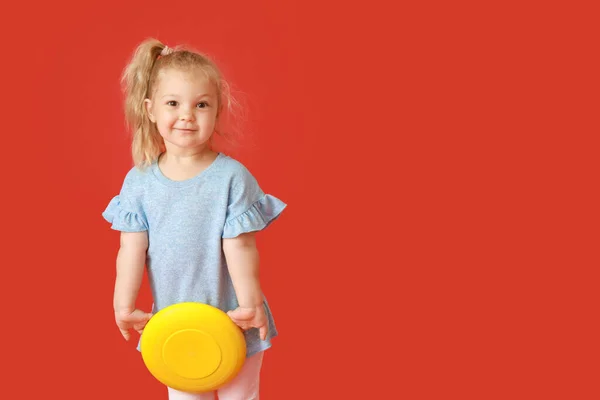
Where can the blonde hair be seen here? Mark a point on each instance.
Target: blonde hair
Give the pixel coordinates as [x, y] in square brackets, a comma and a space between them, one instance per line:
[139, 81]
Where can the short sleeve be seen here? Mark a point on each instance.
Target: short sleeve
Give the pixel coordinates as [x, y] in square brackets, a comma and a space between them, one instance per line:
[124, 213]
[249, 209]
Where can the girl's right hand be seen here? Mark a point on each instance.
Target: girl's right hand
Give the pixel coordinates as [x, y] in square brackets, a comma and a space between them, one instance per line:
[137, 319]
[251, 317]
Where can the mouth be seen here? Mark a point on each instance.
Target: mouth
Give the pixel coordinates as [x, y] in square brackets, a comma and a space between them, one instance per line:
[185, 130]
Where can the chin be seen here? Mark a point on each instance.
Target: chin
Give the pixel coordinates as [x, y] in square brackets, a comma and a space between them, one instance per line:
[187, 144]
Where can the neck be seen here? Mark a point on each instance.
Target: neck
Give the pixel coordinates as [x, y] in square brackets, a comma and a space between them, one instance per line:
[179, 166]
[187, 156]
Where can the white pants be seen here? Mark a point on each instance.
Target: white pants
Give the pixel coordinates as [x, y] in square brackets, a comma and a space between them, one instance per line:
[243, 387]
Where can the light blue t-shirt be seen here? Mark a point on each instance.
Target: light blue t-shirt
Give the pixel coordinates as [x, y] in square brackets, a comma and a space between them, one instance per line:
[186, 222]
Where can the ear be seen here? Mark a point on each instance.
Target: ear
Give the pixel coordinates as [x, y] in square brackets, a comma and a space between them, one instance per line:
[148, 104]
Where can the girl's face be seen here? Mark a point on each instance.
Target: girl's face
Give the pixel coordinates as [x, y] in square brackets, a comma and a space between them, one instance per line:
[184, 108]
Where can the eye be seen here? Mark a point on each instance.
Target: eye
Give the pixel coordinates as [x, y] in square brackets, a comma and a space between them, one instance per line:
[202, 104]
[172, 103]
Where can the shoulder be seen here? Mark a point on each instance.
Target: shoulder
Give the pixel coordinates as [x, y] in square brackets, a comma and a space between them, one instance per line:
[232, 165]
[137, 174]
[136, 179]
[235, 170]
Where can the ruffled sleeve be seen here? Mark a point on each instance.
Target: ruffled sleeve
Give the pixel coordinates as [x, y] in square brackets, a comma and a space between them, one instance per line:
[122, 218]
[256, 218]
[249, 209]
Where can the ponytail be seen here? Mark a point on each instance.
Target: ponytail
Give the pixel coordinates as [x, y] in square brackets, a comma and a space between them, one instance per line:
[147, 143]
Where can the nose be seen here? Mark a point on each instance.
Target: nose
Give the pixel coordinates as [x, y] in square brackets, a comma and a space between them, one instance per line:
[186, 115]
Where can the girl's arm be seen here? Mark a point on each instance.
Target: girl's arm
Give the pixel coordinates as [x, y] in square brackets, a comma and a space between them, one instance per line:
[130, 271]
[243, 263]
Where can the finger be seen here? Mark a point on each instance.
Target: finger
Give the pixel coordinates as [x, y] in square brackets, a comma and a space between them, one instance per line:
[263, 332]
[125, 333]
[140, 324]
[242, 324]
[240, 320]
[142, 319]
[241, 314]
[245, 325]
[236, 315]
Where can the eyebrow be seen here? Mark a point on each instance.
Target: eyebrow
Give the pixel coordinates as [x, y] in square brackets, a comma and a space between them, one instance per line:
[199, 96]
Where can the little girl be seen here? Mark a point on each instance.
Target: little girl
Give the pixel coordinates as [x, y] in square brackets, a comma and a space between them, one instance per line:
[186, 212]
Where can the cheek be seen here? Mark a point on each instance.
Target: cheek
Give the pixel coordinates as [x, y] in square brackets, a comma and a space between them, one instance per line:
[211, 119]
[165, 118]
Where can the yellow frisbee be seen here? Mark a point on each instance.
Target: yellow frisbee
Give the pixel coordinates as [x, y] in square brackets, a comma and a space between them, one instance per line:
[193, 347]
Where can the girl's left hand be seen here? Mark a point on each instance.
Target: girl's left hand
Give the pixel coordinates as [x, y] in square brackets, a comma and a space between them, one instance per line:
[248, 317]
[136, 319]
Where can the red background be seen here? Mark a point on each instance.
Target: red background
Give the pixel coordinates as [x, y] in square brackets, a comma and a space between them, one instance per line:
[438, 164]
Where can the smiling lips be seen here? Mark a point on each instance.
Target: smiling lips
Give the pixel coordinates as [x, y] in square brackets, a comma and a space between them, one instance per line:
[185, 130]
